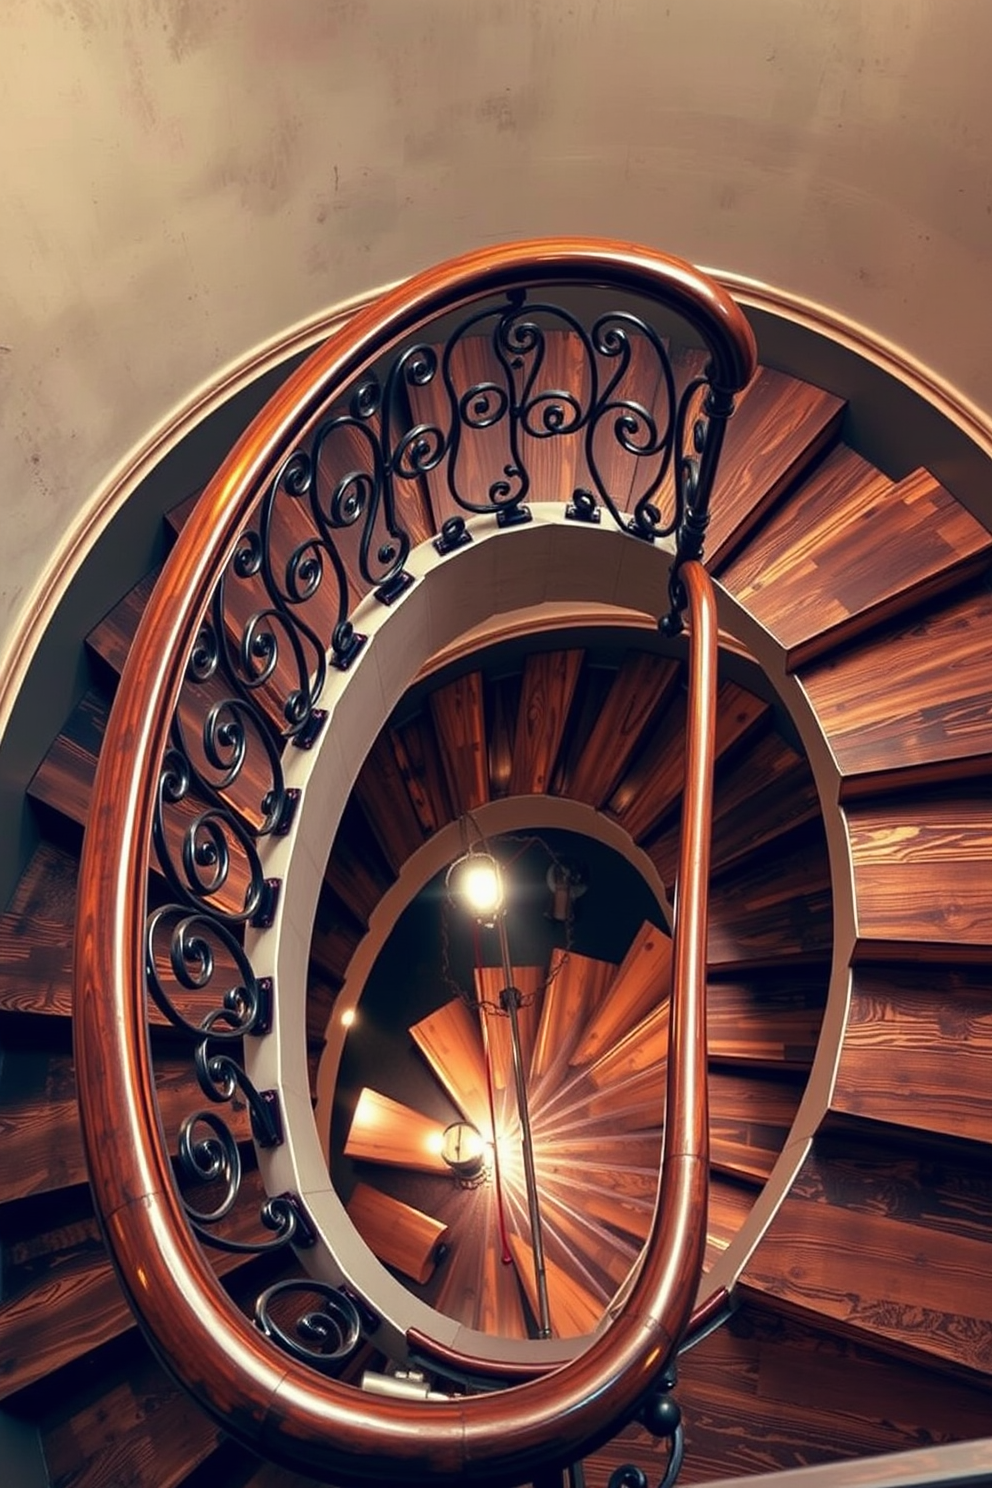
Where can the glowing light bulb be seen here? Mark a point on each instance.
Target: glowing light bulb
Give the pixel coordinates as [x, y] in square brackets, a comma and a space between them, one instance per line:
[476, 881]
[347, 1017]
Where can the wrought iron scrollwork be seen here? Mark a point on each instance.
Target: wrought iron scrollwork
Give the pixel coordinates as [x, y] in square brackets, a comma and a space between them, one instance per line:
[660, 1414]
[324, 1336]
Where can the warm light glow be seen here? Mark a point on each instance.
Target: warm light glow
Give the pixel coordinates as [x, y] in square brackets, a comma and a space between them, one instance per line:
[476, 881]
[464, 1148]
[347, 1017]
[435, 1143]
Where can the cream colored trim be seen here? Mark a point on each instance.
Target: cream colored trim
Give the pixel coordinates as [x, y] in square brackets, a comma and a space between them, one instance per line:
[120, 485]
[870, 345]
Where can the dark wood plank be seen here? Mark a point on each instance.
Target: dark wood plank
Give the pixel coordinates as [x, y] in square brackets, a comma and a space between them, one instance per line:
[336, 934]
[750, 1119]
[356, 872]
[131, 1425]
[458, 713]
[545, 699]
[419, 762]
[640, 690]
[839, 1245]
[768, 1020]
[732, 1198]
[812, 575]
[917, 1049]
[912, 702]
[922, 870]
[75, 1304]
[36, 937]
[39, 1119]
[110, 640]
[382, 794]
[64, 779]
[779, 428]
[652, 787]
[766, 792]
[772, 908]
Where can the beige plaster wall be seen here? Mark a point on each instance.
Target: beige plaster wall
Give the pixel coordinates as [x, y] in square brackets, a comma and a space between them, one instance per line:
[182, 179]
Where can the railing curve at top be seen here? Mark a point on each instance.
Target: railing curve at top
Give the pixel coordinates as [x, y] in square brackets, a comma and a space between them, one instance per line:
[227, 667]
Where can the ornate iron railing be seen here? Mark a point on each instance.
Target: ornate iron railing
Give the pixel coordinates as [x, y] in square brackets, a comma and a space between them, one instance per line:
[382, 438]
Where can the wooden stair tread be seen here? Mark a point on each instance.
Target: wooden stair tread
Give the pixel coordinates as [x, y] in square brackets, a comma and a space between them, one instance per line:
[64, 779]
[922, 869]
[812, 576]
[652, 786]
[768, 1021]
[642, 980]
[750, 1119]
[356, 871]
[917, 1048]
[766, 911]
[779, 428]
[458, 713]
[546, 693]
[636, 696]
[381, 792]
[418, 758]
[913, 697]
[36, 936]
[76, 1303]
[110, 640]
[767, 792]
[854, 1221]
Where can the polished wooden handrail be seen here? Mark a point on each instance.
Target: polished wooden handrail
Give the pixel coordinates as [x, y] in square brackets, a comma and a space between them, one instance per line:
[266, 1398]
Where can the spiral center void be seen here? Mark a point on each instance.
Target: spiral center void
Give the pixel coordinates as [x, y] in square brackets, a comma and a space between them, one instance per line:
[593, 726]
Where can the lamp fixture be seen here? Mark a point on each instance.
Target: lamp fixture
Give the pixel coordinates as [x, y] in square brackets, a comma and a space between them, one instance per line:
[475, 882]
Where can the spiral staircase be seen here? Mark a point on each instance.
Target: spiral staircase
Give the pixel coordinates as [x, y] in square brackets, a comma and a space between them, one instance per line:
[850, 1218]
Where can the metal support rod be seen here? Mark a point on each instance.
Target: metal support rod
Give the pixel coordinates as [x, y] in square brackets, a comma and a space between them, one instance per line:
[510, 998]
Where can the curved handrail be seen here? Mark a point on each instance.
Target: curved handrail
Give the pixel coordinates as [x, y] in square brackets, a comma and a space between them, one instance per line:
[276, 1405]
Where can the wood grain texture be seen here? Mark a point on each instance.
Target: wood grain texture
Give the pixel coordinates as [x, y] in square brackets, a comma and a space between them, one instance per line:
[502, 711]
[576, 983]
[546, 694]
[637, 696]
[768, 910]
[922, 871]
[779, 428]
[458, 712]
[769, 1020]
[813, 577]
[110, 640]
[839, 1246]
[64, 779]
[652, 787]
[401, 1236]
[765, 791]
[450, 1039]
[356, 872]
[419, 762]
[643, 979]
[914, 698]
[489, 987]
[917, 1049]
[384, 1130]
[36, 937]
[383, 796]
[750, 1118]
[130, 1425]
[75, 1303]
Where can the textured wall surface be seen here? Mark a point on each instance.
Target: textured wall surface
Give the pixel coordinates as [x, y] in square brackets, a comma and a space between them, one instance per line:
[180, 180]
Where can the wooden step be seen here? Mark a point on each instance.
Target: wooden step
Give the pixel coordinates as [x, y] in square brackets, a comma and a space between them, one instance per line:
[769, 910]
[70, 1302]
[813, 1396]
[637, 697]
[336, 935]
[419, 761]
[750, 1119]
[922, 869]
[732, 1197]
[642, 981]
[916, 1049]
[891, 1246]
[450, 1039]
[357, 873]
[458, 714]
[36, 937]
[766, 791]
[911, 703]
[39, 1119]
[489, 986]
[109, 642]
[131, 1425]
[769, 1019]
[62, 783]
[401, 1236]
[652, 787]
[502, 710]
[382, 794]
[813, 574]
[546, 693]
[780, 427]
[575, 985]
